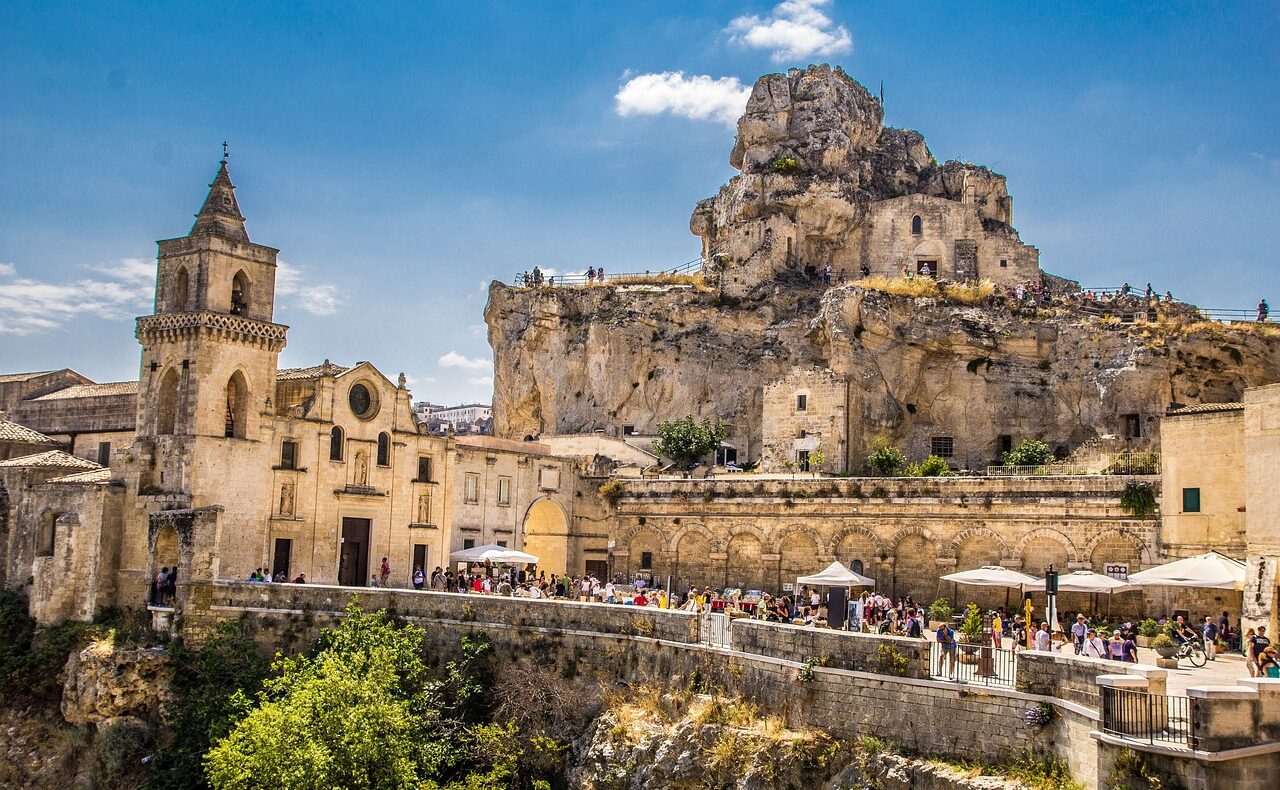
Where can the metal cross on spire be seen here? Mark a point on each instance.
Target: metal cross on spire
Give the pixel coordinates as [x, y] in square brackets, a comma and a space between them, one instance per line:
[224, 152]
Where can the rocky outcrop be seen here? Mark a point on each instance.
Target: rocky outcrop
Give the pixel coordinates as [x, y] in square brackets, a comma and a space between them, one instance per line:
[104, 684]
[580, 360]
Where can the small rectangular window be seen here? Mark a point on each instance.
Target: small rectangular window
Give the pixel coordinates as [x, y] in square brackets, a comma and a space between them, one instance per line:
[104, 453]
[1004, 264]
[471, 491]
[1190, 500]
[468, 543]
[802, 403]
[628, 430]
[288, 454]
[1133, 426]
[424, 469]
[942, 446]
[1006, 443]
[646, 560]
[504, 491]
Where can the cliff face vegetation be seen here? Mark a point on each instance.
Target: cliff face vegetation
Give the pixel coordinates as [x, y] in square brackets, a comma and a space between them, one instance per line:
[824, 183]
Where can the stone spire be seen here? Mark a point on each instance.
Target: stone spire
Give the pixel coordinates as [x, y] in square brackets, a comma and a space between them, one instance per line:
[220, 214]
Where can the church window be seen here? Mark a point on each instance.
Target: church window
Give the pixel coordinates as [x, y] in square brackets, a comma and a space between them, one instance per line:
[384, 449]
[46, 533]
[336, 444]
[181, 288]
[424, 469]
[237, 407]
[239, 294]
[802, 403]
[646, 560]
[167, 403]
[917, 226]
[504, 491]
[361, 401]
[104, 453]
[288, 454]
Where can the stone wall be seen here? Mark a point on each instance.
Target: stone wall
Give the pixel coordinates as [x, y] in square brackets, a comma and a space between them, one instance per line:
[789, 429]
[1262, 460]
[837, 649]
[1074, 678]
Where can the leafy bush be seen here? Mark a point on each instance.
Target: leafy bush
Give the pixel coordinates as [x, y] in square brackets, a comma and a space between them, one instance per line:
[786, 165]
[1148, 628]
[886, 459]
[933, 466]
[1029, 452]
[613, 491]
[1162, 640]
[940, 610]
[1139, 500]
[29, 657]
[890, 660]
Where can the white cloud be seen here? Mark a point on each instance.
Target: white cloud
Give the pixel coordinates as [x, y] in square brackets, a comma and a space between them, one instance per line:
[481, 381]
[315, 298]
[698, 97]
[118, 291]
[455, 360]
[794, 30]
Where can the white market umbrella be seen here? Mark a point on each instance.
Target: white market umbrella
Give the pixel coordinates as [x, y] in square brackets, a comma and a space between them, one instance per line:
[492, 552]
[836, 575]
[992, 576]
[1088, 582]
[1211, 570]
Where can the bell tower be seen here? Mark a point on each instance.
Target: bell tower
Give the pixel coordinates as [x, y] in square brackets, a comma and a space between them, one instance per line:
[210, 349]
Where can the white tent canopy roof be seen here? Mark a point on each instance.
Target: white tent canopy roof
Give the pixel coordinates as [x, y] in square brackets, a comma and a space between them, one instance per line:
[492, 552]
[1088, 582]
[836, 575]
[992, 576]
[1212, 570]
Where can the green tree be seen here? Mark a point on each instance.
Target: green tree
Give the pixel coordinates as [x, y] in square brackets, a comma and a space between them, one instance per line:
[817, 459]
[933, 466]
[1029, 452]
[686, 441]
[361, 712]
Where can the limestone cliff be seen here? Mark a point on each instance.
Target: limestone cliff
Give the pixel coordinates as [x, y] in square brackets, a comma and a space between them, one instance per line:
[824, 183]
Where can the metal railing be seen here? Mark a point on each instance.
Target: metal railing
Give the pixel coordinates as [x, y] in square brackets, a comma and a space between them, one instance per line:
[979, 664]
[1154, 718]
[536, 279]
[1134, 463]
[715, 629]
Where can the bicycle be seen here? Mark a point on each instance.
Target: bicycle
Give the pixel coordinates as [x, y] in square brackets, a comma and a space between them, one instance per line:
[1194, 652]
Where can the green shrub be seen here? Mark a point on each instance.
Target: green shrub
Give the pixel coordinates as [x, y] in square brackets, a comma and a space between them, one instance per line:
[1162, 640]
[933, 466]
[941, 610]
[1148, 628]
[786, 165]
[886, 459]
[971, 626]
[613, 491]
[1029, 452]
[1139, 500]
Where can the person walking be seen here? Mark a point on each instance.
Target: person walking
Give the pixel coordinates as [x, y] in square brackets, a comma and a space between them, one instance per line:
[1264, 310]
[1210, 633]
[1043, 640]
[1093, 647]
[826, 274]
[383, 572]
[419, 578]
[1079, 631]
[1257, 644]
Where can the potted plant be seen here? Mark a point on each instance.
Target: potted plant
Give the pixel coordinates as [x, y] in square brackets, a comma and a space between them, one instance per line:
[970, 633]
[940, 612]
[1147, 630]
[1164, 646]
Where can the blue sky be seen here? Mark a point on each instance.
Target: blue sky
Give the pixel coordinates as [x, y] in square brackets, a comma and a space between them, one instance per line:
[401, 155]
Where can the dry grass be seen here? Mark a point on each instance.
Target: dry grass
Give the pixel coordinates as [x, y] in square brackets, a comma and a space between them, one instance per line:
[917, 287]
[698, 282]
[1170, 327]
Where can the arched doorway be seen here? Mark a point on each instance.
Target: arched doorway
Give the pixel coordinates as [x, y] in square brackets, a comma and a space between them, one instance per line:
[546, 535]
[165, 556]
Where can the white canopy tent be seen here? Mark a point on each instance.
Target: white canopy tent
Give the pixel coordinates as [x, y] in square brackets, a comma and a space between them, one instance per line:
[1212, 570]
[492, 552]
[836, 575]
[1088, 582]
[993, 576]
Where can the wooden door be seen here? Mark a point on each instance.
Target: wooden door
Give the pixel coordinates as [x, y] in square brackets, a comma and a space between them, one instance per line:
[353, 562]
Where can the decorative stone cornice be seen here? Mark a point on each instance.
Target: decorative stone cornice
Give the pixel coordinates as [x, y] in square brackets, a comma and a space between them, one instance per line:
[222, 326]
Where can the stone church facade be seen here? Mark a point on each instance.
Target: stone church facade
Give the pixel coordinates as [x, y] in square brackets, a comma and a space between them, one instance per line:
[229, 463]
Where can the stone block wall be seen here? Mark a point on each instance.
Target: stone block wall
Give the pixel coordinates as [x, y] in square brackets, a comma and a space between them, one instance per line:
[838, 649]
[788, 429]
[1074, 678]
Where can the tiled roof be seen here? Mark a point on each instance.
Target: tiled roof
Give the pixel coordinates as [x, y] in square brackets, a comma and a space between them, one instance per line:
[92, 476]
[496, 443]
[53, 459]
[1205, 408]
[6, 378]
[13, 432]
[93, 390]
[313, 372]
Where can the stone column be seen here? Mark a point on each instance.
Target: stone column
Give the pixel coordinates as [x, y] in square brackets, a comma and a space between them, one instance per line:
[1222, 717]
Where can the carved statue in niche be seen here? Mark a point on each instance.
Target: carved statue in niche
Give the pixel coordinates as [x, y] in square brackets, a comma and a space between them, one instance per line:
[286, 499]
[362, 469]
[424, 508]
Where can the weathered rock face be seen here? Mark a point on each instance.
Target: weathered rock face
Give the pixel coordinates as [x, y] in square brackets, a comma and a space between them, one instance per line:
[580, 360]
[104, 684]
[824, 183]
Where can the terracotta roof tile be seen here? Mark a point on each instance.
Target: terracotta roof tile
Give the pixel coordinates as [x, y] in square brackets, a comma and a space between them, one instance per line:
[92, 390]
[92, 476]
[313, 372]
[53, 459]
[13, 432]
